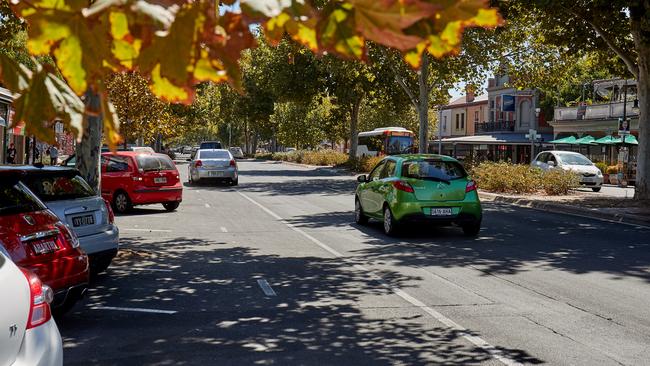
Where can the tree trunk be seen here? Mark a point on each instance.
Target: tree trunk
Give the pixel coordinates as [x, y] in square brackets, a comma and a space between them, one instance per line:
[641, 34]
[354, 123]
[423, 105]
[88, 151]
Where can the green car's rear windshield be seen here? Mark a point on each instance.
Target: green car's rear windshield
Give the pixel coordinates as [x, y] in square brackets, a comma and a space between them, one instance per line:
[432, 169]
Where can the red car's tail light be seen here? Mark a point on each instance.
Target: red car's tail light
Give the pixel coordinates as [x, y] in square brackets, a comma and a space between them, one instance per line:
[402, 186]
[198, 163]
[233, 163]
[109, 209]
[69, 236]
[471, 186]
[40, 298]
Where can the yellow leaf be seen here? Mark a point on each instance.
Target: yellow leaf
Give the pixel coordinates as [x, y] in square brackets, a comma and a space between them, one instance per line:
[165, 89]
[69, 53]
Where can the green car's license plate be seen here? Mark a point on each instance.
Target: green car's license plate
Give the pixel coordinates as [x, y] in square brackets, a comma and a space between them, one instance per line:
[441, 211]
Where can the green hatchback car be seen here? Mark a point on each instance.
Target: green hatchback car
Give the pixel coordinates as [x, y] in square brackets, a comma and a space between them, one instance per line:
[419, 188]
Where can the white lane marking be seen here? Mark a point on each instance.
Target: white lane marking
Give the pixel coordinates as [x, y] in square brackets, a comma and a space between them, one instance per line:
[224, 230]
[145, 269]
[207, 205]
[146, 230]
[477, 341]
[137, 310]
[268, 291]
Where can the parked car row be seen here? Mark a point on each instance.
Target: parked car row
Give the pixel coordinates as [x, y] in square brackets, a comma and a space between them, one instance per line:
[56, 232]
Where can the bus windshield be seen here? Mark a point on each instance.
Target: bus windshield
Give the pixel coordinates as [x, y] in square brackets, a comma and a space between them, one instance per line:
[399, 145]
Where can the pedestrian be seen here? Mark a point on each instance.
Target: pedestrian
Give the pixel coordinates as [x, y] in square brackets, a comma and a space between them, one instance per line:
[11, 154]
[54, 155]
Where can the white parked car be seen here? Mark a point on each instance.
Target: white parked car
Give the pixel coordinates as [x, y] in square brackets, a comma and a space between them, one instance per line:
[236, 152]
[28, 334]
[590, 175]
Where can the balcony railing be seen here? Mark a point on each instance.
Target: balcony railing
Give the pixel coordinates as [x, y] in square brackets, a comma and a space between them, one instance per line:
[494, 126]
[596, 111]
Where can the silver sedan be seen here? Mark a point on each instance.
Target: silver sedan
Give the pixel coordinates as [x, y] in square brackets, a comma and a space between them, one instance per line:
[213, 164]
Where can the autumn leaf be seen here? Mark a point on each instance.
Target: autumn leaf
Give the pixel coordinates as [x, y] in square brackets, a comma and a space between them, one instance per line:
[46, 99]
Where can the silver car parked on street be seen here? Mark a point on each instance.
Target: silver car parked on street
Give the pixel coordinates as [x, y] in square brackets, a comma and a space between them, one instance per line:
[68, 195]
[213, 164]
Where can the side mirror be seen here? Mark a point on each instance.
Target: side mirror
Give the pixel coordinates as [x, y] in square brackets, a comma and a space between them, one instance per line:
[550, 163]
[362, 178]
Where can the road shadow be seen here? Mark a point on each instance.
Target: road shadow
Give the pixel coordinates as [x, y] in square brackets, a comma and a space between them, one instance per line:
[561, 242]
[321, 314]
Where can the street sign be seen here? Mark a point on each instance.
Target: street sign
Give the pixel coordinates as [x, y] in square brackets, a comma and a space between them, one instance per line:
[532, 135]
[623, 126]
[58, 127]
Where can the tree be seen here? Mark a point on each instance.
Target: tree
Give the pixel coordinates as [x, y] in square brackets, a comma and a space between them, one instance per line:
[90, 42]
[142, 115]
[620, 28]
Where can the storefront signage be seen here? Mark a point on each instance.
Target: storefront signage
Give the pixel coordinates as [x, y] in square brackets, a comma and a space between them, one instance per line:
[508, 103]
[623, 126]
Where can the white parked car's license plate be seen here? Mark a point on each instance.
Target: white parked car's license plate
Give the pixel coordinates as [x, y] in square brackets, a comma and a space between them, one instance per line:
[160, 180]
[446, 211]
[216, 174]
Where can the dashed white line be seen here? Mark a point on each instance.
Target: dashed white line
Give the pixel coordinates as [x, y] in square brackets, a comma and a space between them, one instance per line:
[146, 269]
[224, 230]
[146, 230]
[268, 291]
[477, 341]
[137, 310]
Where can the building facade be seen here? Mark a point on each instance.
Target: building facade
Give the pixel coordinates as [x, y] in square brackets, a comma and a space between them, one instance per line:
[496, 124]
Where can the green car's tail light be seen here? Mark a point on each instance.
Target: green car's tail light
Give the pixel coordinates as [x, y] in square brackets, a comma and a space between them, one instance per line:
[198, 163]
[471, 186]
[403, 186]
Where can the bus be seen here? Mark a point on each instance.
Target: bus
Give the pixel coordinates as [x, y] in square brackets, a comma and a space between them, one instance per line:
[385, 141]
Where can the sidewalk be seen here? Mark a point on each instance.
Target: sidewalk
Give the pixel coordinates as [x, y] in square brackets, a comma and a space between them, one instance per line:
[624, 210]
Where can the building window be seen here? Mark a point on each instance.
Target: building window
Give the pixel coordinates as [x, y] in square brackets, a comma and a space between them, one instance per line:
[462, 121]
[476, 116]
[457, 121]
[444, 123]
[491, 103]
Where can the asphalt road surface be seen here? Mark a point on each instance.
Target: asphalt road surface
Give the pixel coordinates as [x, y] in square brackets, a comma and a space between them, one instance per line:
[275, 272]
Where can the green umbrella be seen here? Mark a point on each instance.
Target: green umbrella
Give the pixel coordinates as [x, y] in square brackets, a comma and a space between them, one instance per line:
[629, 140]
[571, 140]
[607, 140]
[585, 140]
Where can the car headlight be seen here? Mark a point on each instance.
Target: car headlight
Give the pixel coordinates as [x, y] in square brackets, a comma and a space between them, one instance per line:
[600, 174]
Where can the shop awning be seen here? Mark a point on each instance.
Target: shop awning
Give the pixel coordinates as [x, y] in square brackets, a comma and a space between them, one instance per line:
[629, 140]
[607, 140]
[585, 140]
[495, 139]
[570, 140]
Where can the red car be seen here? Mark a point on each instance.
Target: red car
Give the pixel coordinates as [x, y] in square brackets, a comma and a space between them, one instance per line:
[38, 241]
[134, 178]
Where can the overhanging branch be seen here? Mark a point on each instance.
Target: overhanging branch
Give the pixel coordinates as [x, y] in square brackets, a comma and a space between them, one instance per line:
[626, 57]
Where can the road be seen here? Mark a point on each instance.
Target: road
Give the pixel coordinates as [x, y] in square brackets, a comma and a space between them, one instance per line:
[274, 272]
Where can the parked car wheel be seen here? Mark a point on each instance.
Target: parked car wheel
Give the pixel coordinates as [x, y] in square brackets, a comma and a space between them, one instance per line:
[121, 202]
[171, 206]
[234, 182]
[359, 217]
[390, 224]
[596, 189]
[472, 229]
